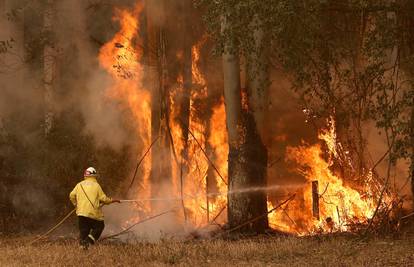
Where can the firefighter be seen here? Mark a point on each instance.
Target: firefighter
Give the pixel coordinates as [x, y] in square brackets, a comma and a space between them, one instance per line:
[88, 198]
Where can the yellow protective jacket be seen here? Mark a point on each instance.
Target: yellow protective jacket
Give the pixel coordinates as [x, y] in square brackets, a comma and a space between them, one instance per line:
[88, 197]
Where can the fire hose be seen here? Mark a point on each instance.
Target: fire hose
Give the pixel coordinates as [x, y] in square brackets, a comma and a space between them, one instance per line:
[111, 236]
[122, 201]
[149, 199]
[133, 225]
[53, 228]
[217, 194]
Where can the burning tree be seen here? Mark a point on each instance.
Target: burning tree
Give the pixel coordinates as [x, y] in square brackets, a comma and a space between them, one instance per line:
[201, 124]
[179, 158]
[245, 117]
[169, 120]
[345, 60]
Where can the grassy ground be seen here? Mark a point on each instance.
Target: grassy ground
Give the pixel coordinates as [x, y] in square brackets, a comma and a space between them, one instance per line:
[274, 251]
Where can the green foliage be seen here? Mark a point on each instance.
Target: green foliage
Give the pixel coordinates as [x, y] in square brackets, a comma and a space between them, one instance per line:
[350, 59]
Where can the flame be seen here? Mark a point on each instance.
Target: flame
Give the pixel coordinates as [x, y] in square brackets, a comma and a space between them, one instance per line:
[340, 205]
[195, 70]
[121, 57]
[201, 207]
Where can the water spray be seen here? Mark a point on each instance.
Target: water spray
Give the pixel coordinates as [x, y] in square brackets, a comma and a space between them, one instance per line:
[244, 190]
[238, 191]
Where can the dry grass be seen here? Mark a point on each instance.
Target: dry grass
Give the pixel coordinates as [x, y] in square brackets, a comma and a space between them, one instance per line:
[274, 251]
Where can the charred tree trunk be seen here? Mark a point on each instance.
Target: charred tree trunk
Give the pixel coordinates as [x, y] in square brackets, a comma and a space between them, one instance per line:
[160, 152]
[187, 77]
[245, 167]
[232, 96]
[214, 99]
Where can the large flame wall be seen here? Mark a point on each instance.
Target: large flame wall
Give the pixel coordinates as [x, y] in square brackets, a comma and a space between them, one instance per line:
[340, 204]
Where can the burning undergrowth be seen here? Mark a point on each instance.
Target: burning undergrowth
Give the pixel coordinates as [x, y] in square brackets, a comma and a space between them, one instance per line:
[327, 202]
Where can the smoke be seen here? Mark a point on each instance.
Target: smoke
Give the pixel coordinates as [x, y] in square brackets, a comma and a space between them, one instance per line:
[399, 175]
[120, 216]
[288, 126]
[103, 118]
[32, 201]
[152, 218]
[14, 96]
[79, 83]
[79, 99]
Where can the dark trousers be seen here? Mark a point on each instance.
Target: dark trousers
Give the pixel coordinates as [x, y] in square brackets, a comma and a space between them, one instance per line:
[88, 226]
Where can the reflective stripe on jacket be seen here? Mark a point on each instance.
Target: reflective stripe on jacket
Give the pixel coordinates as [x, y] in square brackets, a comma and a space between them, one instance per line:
[89, 203]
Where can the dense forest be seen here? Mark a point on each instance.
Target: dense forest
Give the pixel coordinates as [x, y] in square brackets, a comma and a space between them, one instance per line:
[245, 116]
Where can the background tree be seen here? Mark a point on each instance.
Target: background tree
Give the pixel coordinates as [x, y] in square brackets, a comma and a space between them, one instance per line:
[49, 62]
[245, 113]
[37, 171]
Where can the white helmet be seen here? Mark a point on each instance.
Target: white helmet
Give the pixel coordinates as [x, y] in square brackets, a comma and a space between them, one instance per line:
[90, 172]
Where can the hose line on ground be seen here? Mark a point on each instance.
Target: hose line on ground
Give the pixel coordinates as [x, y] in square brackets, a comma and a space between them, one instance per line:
[54, 227]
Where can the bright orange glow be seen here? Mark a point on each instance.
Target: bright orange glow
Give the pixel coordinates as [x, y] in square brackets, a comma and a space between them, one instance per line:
[340, 205]
[195, 184]
[120, 57]
[218, 142]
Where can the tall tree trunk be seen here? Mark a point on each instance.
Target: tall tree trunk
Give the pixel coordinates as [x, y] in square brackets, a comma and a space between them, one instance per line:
[185, 45]
[258, 80]
[49, 63]
[242, 134]
[4, 37]
[258, 95]
[412, 151]
[160, 153]
[411, 51]
[187, 76]
[409, 25]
